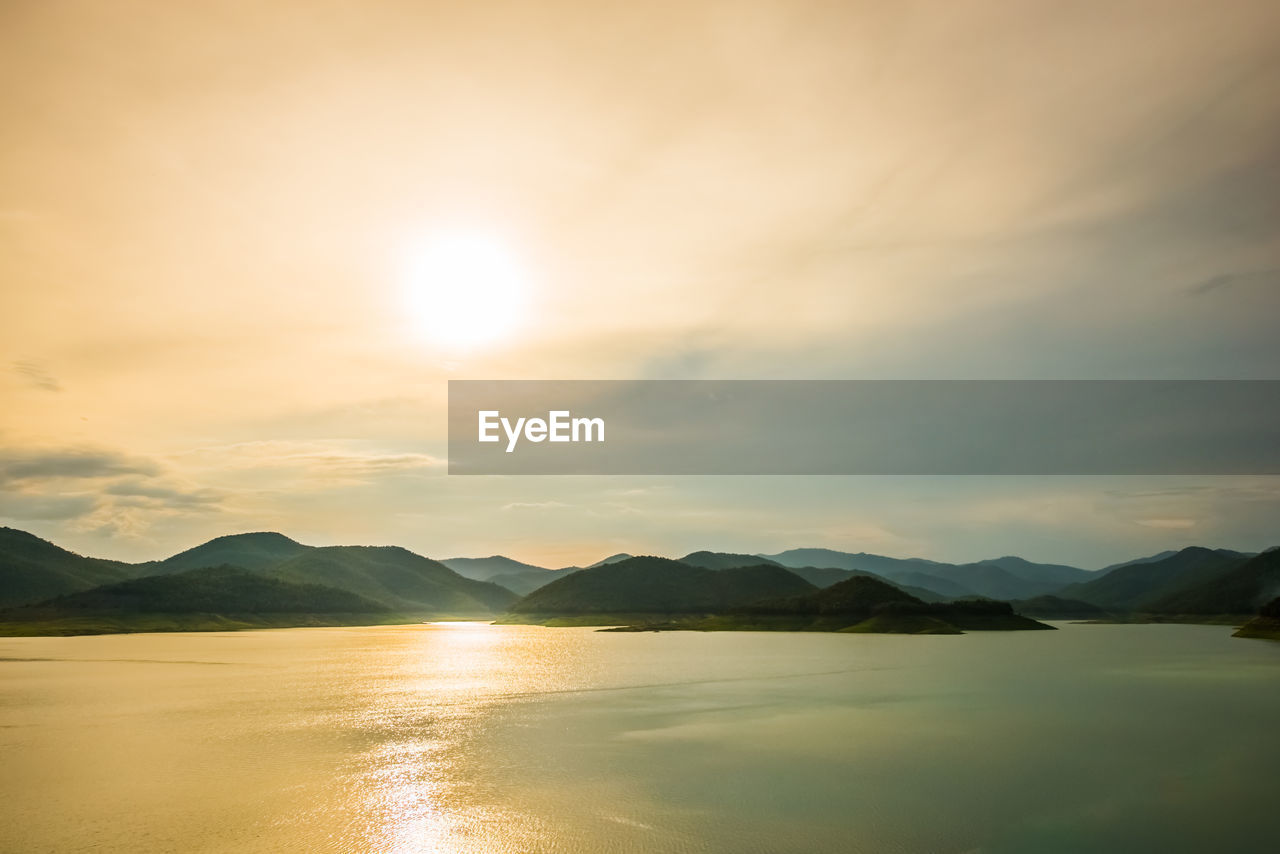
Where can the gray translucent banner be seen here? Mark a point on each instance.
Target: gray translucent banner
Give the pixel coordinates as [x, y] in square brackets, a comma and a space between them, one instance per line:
[938, 427]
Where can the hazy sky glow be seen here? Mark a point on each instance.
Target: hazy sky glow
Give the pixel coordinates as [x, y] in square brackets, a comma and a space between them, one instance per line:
[205, 208]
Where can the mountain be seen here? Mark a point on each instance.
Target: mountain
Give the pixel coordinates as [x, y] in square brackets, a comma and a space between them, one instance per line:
[725, 560]
[524, 583]
[517, 576]
[257, 551]
[206, 599]
[908, 572]
[821, 576]
[655, 585]
[1240, 588]
[394, 577]
[652, 594]
[994, 582]
[858, 595]
[1266, 625]
[620, 556]
[32, 569]
[941, 587]
[1051, 573]
[864, 603]
[878, 564]
[986, 578]
[1135, 586]
[209, 590]
[484, 568]
[1149, 559]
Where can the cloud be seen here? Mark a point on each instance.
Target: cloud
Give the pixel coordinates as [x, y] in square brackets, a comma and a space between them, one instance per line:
[1168, 524]
[537, 505]
[76, 463]
[340, 459]
[152, 493]
[95, 490]
[23, 506]
[111, 522]
[1237, 280]
[37, 376]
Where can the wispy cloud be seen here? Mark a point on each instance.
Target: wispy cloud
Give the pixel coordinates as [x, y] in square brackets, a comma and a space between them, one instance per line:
[37, 376]
[74, 463]
[97, 490]
[536, 505]
[333, 463]
[25, 506]
[153, 493]
[1168, 524]
[1253, 278]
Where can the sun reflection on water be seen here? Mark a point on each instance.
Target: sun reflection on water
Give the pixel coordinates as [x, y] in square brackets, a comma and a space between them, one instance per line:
[416, 789]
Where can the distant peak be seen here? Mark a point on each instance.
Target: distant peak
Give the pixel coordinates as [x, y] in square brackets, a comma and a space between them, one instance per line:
[258, 537]
[1198, 550]
[611, 559]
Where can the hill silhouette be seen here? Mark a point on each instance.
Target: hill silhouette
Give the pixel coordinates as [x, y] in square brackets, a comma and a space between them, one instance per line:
[396, 578]
[255, 551]
[651, 593]
[524, 583]
[614, 558]
[517, 576]
[1137, 586]
[859, 595]
[32, 569]
[725, 560]
[485, 568]
[1000, 578]
[227, 590]
[659, 586]
[1237, 588]
[205, 599]
[863, 597]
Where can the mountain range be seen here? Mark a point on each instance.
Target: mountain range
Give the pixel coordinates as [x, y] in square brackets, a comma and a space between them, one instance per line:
[1193, 583]
[1140, 586]
[39, 580]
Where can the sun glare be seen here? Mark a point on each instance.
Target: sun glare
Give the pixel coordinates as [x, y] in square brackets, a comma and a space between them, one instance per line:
[465, 290]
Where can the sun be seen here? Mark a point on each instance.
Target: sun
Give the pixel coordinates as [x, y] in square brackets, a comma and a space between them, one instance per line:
[464, 290]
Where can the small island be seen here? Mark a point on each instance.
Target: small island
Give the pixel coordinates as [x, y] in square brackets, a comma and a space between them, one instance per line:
[1265, 626]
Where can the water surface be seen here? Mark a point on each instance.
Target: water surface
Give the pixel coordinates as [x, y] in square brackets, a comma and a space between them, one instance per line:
[476, 738]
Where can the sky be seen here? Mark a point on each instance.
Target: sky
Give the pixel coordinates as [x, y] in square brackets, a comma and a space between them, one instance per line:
[211, 320]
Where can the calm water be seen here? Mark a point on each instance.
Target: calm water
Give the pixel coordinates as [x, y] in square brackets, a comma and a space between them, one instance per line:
[477, 738]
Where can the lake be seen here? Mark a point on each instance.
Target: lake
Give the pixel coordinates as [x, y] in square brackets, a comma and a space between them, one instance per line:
[465, 737]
